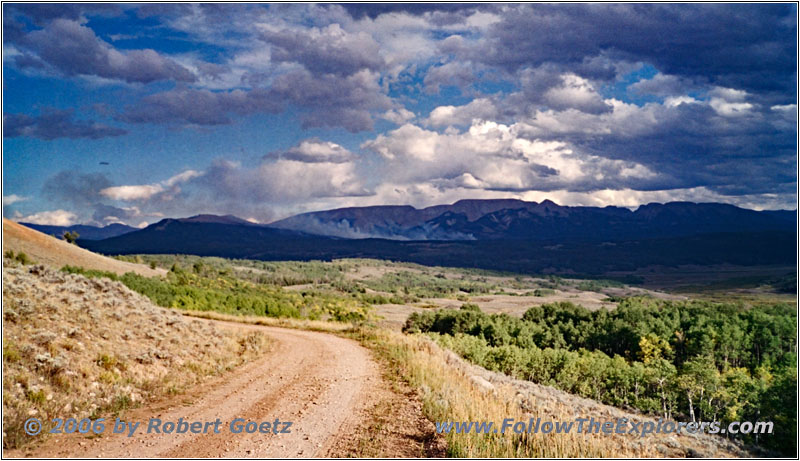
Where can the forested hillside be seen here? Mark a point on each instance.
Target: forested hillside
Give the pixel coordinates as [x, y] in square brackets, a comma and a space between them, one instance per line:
[694, 361]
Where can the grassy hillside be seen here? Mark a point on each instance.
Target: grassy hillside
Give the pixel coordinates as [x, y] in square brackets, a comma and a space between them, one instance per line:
[691, 361]
[88, 348]
[46, 249]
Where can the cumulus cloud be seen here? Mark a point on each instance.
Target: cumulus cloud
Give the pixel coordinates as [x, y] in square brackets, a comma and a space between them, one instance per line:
[457, 73]
[690, 142]
[398, 116]
[495, 156]
[664, 85]
[281, 181]
[575, 92]
[147, 191]
[729, 102]
[550, 112]
[104, 215]
[53, 218]
[477, 109]
[334, 101]
[53, 124]
[327, 50]
[740, 46]
[73, 49]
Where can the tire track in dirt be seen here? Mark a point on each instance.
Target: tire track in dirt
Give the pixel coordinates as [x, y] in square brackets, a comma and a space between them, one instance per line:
[318, 381]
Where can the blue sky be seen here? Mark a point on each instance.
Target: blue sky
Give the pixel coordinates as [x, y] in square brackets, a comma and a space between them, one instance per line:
[131, 113]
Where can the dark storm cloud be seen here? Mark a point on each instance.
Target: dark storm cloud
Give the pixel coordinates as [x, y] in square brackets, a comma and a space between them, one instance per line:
[76, 188]
[693, 145]
[330, 100]
[743, 46]
[73, 49]
[54, 124]
[103, 214]
[547, 86]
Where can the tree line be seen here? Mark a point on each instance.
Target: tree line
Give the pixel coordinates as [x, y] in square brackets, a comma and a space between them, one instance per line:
[688, 360]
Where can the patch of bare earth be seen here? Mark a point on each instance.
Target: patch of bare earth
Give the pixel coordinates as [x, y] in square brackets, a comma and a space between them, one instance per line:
[393, 426]
[48, 250]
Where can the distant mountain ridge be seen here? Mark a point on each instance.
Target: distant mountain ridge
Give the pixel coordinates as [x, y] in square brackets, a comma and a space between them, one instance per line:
[85, 232]
[527, 237]
[546, 221]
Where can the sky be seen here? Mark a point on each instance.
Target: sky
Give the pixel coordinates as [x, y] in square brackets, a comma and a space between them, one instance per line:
[125, 113]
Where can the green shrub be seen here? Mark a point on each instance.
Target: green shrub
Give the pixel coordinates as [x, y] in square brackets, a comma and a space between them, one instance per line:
[648, 354]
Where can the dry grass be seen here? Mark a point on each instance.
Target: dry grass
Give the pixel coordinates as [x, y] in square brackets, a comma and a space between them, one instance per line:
[75, 348]
[448, 394]
[46, 249]
[453, 390]
[297, 324]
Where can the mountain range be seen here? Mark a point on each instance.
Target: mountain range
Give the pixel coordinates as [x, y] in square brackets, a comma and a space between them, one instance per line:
[545, 221]
[84, 231]
[505, 235]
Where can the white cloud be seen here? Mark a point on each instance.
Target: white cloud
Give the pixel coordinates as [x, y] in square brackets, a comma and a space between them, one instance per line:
[316, 151]
[675, 101]
[477, 109]
[631, 198]
[283, 181]
[730, 109]
[495, 156]
[140, 192]
[785, 108]
[53, 218]
[575, 92]
[398, 116]
[729, 102]
[13, 198]
[182, 177]
[146, 191]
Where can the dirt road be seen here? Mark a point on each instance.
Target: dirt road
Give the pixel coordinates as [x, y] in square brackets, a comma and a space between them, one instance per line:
[319, 382]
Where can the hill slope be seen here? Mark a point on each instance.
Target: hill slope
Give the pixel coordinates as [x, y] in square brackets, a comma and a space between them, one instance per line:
[45, 249]
[74, 346]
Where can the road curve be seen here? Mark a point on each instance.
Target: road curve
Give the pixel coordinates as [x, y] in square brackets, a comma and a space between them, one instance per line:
[318, 381]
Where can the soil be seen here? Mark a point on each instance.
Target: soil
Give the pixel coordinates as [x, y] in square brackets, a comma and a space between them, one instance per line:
[329, 387]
